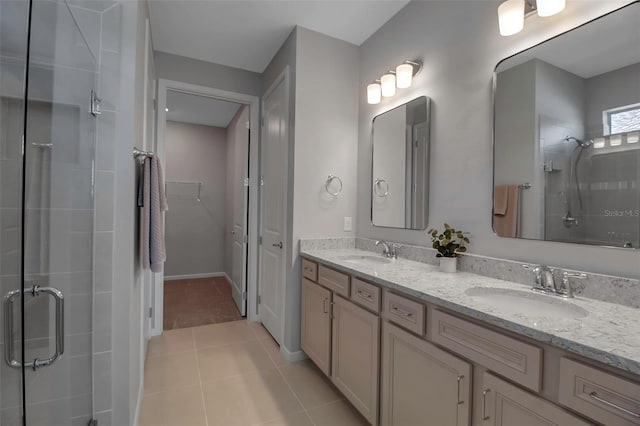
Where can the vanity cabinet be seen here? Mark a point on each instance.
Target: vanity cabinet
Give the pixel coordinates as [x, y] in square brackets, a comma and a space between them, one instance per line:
[422, 384]
[342, 338]
[316, 324]
[402, 361]
[355, 356]
[506, 404]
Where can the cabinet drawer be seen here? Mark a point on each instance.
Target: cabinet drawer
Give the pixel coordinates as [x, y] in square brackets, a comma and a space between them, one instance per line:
[506, 356]
[310, 270]
[404, 312]
[365, 294]
[334, 280]
[505, 404]
[605, 398]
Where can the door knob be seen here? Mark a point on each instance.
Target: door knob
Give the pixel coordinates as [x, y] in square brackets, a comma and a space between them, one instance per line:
[279, 245]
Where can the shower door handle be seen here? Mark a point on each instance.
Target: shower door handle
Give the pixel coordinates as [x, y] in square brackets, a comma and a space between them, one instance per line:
[8, 327]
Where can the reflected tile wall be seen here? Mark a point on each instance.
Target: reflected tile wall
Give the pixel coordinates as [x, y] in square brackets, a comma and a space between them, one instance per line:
[108, 90]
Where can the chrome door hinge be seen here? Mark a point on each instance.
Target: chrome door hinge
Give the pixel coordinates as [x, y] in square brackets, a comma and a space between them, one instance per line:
[150, 312]
[92, 422]
[247, 125]
[244, 295]
[94, 108]
[259, 299]
[261, 180]
[245, 239]
[246, 181]
[262, 121]
[260, 240]
[331, 310]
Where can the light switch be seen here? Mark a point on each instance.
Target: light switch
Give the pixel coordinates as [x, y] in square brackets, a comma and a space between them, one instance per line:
[347, 223]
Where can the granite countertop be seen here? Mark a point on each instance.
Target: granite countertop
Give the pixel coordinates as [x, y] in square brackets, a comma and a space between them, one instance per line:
[610, 333]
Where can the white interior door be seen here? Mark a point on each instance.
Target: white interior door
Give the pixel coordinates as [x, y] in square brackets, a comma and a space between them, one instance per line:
[240, 201]
[273, 207]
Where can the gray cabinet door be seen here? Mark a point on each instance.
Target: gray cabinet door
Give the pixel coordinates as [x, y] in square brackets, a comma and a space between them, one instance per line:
[422, 384]
[355, 356]
[316, 324]
[506, 404]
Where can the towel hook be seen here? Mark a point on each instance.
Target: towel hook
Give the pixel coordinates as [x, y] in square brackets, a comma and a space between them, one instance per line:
[330, 179]
[377, 183]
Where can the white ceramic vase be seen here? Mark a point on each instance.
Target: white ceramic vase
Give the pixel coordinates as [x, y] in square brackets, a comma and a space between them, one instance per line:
[448, 264]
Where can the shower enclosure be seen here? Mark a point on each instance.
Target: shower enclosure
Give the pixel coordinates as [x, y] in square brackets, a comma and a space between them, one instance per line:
[48, 114]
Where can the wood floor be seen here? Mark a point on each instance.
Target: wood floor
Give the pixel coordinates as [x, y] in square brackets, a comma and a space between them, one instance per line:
[201, 301]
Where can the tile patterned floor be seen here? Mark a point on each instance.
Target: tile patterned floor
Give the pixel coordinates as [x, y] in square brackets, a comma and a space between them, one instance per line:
[233, 374]
[193, 302]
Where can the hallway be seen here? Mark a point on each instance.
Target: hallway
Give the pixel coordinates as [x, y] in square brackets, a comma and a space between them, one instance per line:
[233, 374]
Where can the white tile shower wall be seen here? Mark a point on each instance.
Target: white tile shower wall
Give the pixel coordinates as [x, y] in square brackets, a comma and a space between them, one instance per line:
[459, 64]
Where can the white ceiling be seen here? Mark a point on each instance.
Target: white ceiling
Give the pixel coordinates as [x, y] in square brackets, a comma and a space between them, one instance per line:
[186, 108]
[604, 45]
[247, 33]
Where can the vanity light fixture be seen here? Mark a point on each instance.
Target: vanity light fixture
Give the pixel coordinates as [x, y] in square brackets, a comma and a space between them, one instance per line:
[401, 78]
[511, 13]
[374, 93]
[388, 83]
[511, 17]
[550, 7]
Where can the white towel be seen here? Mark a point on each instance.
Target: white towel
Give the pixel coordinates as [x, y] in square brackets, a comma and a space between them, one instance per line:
[153, 200]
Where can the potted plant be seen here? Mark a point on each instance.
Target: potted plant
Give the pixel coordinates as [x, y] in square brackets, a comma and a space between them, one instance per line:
[448, 243]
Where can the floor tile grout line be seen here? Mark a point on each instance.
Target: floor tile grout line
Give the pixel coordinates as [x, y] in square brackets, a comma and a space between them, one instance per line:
[304, 408]
[204, 405]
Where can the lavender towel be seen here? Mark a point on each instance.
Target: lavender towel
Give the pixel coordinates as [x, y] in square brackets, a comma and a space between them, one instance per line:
[153, 200]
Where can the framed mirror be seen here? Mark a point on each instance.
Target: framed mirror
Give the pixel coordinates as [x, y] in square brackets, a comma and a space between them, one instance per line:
[400, 167]
[567, 136]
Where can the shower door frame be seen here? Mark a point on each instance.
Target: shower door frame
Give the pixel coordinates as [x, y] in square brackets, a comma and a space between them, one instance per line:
[253, 102]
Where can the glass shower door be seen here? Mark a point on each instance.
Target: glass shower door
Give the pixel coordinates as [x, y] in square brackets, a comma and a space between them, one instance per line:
[53, 348]
[14, 25]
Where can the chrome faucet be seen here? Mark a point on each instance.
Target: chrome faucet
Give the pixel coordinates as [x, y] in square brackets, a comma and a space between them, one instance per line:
[566, 289]
[546, 283]
[544, 278]
[390, 249]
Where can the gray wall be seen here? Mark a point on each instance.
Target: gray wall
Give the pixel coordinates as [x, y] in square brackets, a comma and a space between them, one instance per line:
[459, 62]
[195, 230]
[326, 134]
[610, 90]
[515, 137]
[187, 70]
[127, 320]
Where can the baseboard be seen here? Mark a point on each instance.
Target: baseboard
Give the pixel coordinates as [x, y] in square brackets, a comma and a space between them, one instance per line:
[292, 356]
[194, 276]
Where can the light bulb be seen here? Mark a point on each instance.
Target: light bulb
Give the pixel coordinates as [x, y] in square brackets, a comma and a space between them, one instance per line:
[633, 137]
[388, 85]
[511, 17]
[550, 7]
[404, 76]
[373, 93]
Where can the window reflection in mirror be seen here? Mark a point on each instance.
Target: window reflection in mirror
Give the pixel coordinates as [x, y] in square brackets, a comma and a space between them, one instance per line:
[400, 170]
[567, 130]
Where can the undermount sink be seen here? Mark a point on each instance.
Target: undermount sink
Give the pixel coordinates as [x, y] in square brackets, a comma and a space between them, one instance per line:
[527, 303]
[365, 260]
